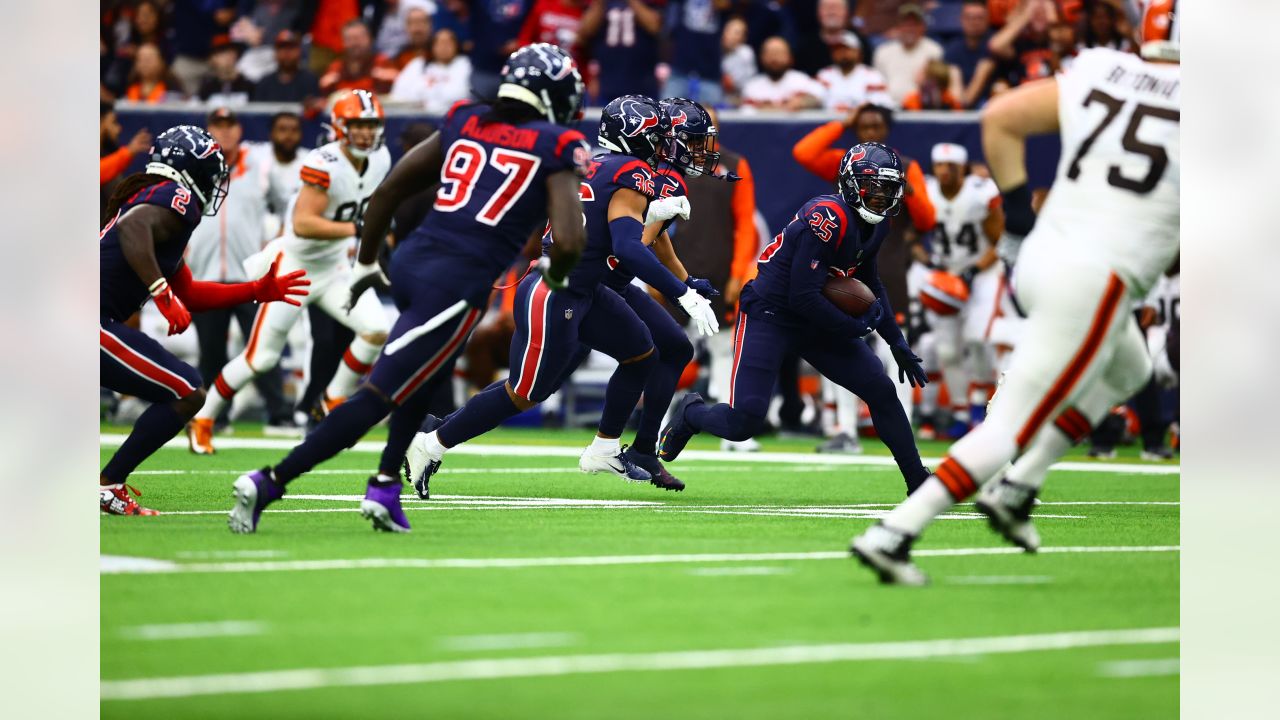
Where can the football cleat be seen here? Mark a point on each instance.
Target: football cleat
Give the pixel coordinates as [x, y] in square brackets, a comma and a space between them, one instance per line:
[253, 492]
[115, 500]
[841, 444]
[1008, 506]
[618, 464]
[748, 445]
[888, 553]
[331, 403]
[1156, 454]
[927, 431]
[200, 436]
[284, 427]
[418, 465]
[381, 505]
[658, 475]
[1100, 453]
[678, 432]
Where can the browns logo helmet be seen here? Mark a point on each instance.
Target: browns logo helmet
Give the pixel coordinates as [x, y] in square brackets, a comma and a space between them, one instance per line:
[356, 106]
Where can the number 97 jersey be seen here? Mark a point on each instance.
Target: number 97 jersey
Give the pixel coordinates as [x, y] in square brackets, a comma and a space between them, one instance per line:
[327, 169]
[1116, 192]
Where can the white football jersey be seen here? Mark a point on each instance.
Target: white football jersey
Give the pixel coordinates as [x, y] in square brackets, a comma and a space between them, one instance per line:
[1166, 299]
[846, 92]
[349, 191]
[1115, 197]
[958, 240]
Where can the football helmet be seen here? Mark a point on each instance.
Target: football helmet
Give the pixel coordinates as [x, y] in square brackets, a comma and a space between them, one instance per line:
[356, 106]
[189, 156]
[1158, 32]
[545, 77]
[634, 125]
[945, 293]
[691, 143]
[871, 181]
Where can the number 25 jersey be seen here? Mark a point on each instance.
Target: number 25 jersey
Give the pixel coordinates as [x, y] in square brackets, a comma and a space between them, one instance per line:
[1116, 192]
[349, 190]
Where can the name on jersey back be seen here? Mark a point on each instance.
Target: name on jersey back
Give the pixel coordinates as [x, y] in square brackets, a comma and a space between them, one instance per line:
[500, 134]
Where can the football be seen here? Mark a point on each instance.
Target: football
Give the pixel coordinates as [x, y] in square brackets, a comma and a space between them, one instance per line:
[849, 294]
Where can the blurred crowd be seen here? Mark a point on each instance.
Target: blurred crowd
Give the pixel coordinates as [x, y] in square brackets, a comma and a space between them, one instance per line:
[779, 55]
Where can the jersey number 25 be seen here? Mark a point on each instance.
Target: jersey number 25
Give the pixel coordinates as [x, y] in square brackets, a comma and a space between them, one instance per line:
[463, 166]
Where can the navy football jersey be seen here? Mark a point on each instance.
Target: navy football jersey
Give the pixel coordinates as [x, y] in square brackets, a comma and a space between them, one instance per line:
[668, 183]
[606, 174]
[825, 238]
[493, 188]
[122, 291]
[620, 47]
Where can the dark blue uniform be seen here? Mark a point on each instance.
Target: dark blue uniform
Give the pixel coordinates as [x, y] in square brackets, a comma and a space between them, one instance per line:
[131, 362]
[622, 46]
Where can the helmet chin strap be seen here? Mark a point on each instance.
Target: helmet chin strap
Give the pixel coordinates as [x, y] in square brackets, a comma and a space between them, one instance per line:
[869, 216]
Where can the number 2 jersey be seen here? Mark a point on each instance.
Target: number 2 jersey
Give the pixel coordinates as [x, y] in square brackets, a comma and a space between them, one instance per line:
[1115, 196]
[122, 292]
[349, 190]
[957, 240]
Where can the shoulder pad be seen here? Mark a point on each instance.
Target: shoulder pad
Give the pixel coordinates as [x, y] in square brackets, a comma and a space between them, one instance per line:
[172, 196]
[671, 184]
[635, 175]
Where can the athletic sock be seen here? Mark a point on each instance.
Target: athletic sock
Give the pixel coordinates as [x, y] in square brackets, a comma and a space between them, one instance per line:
[723, 421]
[1033, 465]
[605, 447]
[658, 391]
[405, 422]
[929, 501]
[156, 426]
[482, 413]
[356, 363]
[338, 431]
[234, 375]
[623, 393]
[894, 430]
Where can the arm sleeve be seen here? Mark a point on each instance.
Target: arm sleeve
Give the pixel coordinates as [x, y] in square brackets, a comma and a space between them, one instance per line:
[745, 240]
[201, 296]
[814, 151]
[806, 284]
[869, 273]
[630, 250]
[923, 215]
[110, 167]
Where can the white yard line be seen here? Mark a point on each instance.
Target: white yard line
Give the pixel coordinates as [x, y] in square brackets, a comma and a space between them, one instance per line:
[554, 666]
[1140, 668]
[742, 570]
[787, 458]
[446, 470]
[998, 580]
[191, 631]
[514, 641]
[141, 566]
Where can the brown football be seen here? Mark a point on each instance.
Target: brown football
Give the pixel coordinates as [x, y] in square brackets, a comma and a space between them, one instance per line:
[849, 294]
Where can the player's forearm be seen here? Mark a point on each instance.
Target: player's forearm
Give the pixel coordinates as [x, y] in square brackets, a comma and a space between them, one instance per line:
[564, 212]
[201, 296]
[987, 259]
[315, 227]
[631, 252]
[667, 255]
[649, 19]
[139, 248]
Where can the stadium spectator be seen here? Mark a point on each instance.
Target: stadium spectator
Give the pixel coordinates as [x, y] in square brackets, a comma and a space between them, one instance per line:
[849, 83]
[556, 22]
[326, 21]
[1062, 45]
[998, 11]
[438, 84]
[937, 90]
[417, 36]
[901, 60]
[623, 37]
[877, 18]
[493, 26]
[695, 56]
[151, 82]
[815, 50]
[225, 85]
[114, 158]
[778, 86]
[359, 68]
[395, 36]
[1022, 45]
[259, 27]
[1105, 26]
[128, 33]
[284, 161]
[290, 82]
[968, 52]
[739, 63]
[194, 26]
[766, 18]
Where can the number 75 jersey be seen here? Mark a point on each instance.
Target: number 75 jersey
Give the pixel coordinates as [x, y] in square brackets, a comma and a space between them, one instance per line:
[327, 168]
[1116, 193]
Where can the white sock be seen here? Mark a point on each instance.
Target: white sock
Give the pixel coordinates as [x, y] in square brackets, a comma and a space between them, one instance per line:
[234, 376]
[435, 449]
[356, 362]
[386, 478]
[605, 446]
[929, 501]
[1033, 465]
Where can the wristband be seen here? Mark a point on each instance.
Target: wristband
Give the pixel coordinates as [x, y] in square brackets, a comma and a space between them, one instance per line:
[159, 287]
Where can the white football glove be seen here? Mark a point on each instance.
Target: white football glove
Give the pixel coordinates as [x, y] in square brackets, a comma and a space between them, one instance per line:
[699, 308]
[663, 209]
[363, 277]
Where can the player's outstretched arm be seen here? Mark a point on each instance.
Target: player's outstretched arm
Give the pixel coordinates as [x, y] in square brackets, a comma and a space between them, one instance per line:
[418, 169]
[202, 296]
[626, 229]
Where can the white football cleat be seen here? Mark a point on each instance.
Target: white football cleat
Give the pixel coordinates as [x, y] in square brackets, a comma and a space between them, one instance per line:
[888, 553]
[617, 464]
[1008, 506]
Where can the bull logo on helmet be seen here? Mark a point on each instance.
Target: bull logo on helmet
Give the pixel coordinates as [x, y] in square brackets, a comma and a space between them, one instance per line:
[858, 155]
[636, 118]
[679, 119]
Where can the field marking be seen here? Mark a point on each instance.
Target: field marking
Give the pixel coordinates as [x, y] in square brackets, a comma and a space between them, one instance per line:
[514, 641]
[566, 470]
[998, 580]
[228, 554]
[553, 666]
[785, 458]
[1140, 668]
[192, 631]
[744, 570]
[162, 567]
[783, 511]
[124, 565]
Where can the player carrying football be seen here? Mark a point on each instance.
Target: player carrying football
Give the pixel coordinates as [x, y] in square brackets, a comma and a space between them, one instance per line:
[783, 310]
[140, 253]
[504, 167]
[1103, 238]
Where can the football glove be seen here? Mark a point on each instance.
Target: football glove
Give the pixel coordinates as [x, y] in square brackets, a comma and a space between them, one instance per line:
[909, 368]
[543, 266]
[1007, 248]
[664, 209]
[170, 306]
[273, 287]
[365, 276]
[868, 321]
[699, 309]
[704, 287]
[968, 274]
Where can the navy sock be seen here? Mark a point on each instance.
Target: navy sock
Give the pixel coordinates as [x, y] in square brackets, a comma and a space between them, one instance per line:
[658, 391]
[724, 421]
[894, 430]
[482, 413]
[405, 421]
[623, 393]
[337, 432]
[155, 427]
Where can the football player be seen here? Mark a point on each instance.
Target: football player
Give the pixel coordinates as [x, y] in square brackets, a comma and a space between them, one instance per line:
[783, 310]
[504, 166]
[551, 322]
[963, 293]
[320, 226]
[140, 250]
[1108, 231]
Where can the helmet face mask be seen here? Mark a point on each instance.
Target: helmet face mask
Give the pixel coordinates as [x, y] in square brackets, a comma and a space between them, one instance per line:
[871, 181]
[357, 110]
[692, 144]
[189, 156]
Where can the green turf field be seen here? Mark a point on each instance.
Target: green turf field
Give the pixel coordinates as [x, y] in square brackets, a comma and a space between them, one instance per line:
[530, 590]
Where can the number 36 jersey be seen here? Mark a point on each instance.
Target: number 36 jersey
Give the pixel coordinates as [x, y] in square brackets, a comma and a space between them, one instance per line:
[958, 240]
[327, 168]
[1115, 196]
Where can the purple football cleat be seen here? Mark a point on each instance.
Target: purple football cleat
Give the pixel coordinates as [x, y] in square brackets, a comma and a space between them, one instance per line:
[381, 505]
[253, 493]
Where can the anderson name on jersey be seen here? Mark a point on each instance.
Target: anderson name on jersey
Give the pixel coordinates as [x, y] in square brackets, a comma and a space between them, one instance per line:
[349, 190]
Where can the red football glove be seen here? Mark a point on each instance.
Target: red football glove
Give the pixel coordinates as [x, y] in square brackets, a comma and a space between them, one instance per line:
[170, 306]
[285, 288]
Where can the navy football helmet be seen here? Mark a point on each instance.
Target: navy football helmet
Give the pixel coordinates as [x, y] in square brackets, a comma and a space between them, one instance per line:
[545, 77]
[871, 181]
[691, 143]
[633, 125]
[189, 156]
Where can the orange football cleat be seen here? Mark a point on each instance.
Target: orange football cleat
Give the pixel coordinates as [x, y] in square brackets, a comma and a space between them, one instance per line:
[200, 436]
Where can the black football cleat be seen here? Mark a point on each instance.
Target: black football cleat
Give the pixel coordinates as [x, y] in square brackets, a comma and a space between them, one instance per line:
[658, 475]
[677, 434]
[887, 552]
